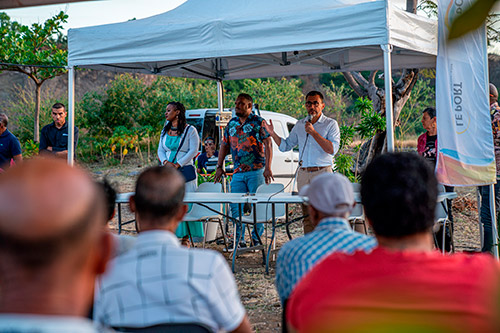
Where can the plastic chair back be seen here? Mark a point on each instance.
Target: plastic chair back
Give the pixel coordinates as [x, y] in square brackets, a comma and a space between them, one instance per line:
[264, 212]
[200, 213]
[440, 214]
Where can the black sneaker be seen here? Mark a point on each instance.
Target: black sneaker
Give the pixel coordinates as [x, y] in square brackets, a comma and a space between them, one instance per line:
[230, 246]
[256, 243]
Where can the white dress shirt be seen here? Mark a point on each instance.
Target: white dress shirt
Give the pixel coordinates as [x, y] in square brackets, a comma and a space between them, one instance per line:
[310, 152]
[158, 281]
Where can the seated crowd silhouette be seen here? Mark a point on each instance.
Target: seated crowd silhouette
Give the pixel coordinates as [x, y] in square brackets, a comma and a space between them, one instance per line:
[58, 259]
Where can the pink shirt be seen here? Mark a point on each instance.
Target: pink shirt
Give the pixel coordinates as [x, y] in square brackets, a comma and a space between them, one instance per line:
[396, 291]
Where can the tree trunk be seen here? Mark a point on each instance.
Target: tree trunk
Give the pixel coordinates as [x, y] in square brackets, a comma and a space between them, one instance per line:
[400, 92]
[36, 129]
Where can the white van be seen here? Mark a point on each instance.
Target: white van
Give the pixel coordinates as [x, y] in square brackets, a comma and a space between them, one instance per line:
[284, 164]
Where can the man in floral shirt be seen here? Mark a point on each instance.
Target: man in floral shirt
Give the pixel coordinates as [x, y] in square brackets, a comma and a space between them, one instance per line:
[485, 190]
[251, 148]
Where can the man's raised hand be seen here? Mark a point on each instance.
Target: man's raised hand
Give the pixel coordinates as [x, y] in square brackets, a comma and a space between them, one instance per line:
[269, 127]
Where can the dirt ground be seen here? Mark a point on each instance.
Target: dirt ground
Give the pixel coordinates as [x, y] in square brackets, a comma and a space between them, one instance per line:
[257, 289]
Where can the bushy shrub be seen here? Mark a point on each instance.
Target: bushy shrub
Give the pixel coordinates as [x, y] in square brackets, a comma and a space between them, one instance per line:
[21, 111]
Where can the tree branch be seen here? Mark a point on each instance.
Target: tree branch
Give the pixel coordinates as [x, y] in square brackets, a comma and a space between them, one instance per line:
[354, 84]
[361, 79]
[371, 79]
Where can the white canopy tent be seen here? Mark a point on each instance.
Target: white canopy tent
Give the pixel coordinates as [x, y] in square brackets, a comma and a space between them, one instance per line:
[236, 39]
[6, 4]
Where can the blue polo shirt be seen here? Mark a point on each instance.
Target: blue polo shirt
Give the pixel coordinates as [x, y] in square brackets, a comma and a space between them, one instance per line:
[57, 138]
[299, 256]
[9, 147]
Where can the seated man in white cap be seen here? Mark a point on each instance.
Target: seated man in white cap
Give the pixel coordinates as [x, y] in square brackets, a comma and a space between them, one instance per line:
[331, 200]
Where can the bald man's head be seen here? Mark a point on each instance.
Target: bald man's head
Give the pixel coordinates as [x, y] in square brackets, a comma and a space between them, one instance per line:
[159, 195]
[493, 93]
[47, 210]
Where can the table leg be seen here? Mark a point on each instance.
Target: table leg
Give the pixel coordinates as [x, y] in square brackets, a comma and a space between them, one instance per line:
[286, 222]
[236, 242]
[119, 218]
[272, 238]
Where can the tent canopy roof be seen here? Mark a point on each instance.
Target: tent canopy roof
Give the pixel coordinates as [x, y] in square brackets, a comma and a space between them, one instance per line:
[235, 39]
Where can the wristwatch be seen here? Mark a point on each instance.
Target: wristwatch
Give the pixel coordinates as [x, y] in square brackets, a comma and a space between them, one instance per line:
[219, 166]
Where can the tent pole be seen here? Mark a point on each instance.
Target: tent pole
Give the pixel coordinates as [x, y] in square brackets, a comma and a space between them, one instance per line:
[493, 221]
[220, 95]
[387, 48]
[220, 105]
[71, 115]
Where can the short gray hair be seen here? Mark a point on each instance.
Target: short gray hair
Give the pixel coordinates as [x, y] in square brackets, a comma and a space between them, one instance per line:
[4, 119]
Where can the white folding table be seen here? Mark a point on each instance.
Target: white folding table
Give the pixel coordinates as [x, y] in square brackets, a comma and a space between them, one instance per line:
[197, 198]
[241, 198]
[288, 198]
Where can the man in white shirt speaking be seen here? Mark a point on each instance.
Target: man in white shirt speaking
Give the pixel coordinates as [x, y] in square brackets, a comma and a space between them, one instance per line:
[318, 139]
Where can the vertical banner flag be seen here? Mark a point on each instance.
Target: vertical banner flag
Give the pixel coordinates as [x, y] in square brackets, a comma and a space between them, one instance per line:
[465, 141]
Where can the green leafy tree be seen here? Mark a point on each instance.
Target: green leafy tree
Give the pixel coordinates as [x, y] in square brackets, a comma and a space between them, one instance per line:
[37, 51]
[423, 96]
[283, 95]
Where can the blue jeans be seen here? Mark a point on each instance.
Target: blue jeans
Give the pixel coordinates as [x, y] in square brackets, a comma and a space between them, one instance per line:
[246, 182]
[485, 214]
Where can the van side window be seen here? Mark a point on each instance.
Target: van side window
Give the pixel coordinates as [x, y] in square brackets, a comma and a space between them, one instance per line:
[278, 128]
[290, 127]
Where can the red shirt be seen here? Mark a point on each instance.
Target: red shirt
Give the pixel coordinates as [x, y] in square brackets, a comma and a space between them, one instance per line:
[398, 291]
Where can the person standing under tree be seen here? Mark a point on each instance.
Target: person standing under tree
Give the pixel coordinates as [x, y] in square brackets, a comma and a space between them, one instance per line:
[10, 148]
[484, 191]
[427, 147]
[54, 137]
[178, 146]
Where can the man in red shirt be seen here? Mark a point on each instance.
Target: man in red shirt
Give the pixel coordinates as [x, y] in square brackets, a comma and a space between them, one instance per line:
[404, 284]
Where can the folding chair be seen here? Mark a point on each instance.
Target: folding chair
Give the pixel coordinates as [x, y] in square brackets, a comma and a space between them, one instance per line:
[207, 214]
[442, 221]
[357, 217]
[263, 213]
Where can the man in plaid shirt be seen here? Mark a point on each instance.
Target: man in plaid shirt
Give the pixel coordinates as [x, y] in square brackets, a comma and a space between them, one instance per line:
[331, 200]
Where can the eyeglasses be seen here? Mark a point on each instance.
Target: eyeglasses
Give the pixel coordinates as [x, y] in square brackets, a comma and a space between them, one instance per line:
[315, 103]
[209, 143]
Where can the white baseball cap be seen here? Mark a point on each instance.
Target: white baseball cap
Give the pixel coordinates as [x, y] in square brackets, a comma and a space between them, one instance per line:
[330, 193]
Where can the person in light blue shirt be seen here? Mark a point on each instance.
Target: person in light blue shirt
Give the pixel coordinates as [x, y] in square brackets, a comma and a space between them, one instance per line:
[330, 202]
[318, 139]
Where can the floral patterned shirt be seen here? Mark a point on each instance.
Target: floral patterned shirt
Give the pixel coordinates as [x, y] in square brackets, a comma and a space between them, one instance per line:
[246, 143]
[495, 125]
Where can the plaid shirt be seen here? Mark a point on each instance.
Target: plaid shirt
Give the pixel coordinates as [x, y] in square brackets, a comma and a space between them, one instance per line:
[246, 143]
[300, 255]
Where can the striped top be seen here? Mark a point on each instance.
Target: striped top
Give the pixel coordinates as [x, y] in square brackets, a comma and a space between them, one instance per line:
[299, 256]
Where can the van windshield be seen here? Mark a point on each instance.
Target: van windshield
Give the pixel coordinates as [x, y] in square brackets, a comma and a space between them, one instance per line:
[197, 123]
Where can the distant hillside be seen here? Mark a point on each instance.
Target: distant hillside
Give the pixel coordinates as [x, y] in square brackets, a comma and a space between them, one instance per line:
[89, 80]
[86, 80]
